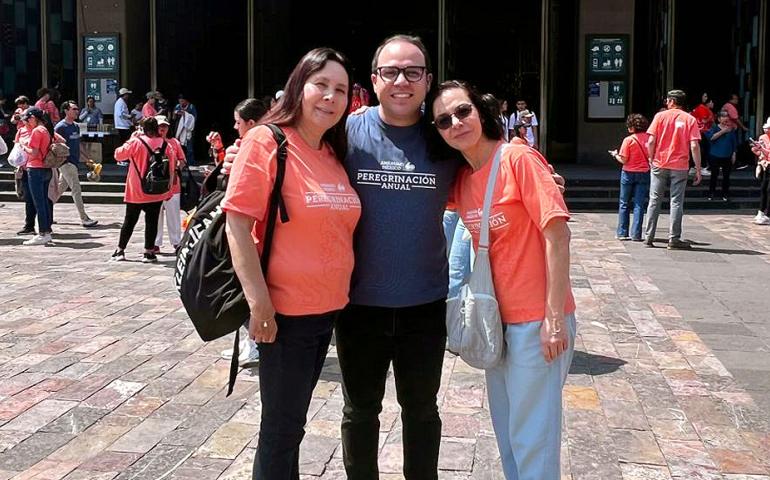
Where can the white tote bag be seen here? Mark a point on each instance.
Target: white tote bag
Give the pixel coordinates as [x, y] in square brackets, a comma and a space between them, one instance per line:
[474, 326]
[17, 157]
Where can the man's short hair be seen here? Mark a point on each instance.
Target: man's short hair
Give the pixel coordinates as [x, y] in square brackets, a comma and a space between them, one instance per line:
[723, 113]
[678, 96]
[413, 39]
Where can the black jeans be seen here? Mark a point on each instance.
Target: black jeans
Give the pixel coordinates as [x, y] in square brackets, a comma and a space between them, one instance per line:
[716, 163]
[288, 372]
[764, 192]
[151, 214]
[368, 340]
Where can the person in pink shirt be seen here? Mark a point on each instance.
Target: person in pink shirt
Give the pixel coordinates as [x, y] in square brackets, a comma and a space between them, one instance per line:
[170, 211]
[45, 103]
[36, 146]
[674, 134]
[149, 110]
[634, 177]
[731, 107]
[137, 151]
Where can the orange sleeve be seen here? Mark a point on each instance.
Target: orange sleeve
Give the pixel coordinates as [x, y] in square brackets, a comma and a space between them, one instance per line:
[126, 151]
[539, 193]
[694, 130]
[251, 178]
[624, 147]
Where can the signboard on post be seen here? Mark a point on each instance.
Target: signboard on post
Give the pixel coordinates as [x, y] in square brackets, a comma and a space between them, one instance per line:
[607, 69]
[101, 54]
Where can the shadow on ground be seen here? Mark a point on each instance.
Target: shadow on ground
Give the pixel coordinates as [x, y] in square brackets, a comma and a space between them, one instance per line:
[589, 364]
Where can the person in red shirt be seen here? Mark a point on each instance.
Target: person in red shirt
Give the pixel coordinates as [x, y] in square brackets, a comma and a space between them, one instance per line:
[634, 177]
[529, 255]
[149, 110]
[704, 115]
[311, 262]
[170, 210]
[761, 149]
[731, 107]
[674, 134]
[36, 145]
[46, 103]
[137, 151]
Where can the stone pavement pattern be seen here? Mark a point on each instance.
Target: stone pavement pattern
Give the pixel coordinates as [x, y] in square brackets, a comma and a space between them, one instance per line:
[102, 376]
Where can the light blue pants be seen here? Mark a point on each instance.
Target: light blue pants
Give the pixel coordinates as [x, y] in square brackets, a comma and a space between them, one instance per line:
[525, 403]
[459, 251]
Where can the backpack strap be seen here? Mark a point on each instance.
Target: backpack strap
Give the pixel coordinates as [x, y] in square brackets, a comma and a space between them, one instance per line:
[276, 204]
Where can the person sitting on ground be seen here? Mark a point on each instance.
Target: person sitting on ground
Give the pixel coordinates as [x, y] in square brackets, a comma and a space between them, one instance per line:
[634, 177]
[761, 149]
[722, 149]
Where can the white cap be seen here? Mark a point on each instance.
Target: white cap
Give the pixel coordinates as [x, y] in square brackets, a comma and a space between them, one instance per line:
[278, 94]
[124, 91]
[162, 120]
[767, 124]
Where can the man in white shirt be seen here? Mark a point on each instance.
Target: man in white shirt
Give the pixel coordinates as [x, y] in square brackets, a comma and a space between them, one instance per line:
[524, 116]
[123, 115]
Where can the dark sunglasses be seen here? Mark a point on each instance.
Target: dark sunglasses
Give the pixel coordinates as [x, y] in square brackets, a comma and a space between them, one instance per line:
[411, 74]
[444, 121]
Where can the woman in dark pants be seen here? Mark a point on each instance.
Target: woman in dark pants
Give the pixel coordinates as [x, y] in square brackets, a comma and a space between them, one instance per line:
[137, 151]
[723, 145]
[311, 260]
[36, 145]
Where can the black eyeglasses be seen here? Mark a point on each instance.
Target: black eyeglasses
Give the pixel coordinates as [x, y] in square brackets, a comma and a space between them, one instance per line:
[444, 121]
[411, 74]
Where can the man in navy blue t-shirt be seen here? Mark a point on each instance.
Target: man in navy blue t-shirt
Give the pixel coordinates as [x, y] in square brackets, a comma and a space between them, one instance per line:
[399, 286]
[68, 129]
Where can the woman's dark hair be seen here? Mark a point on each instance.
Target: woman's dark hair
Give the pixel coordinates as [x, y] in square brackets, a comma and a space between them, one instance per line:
[289, 107]
[493, 104]
[150, 127]
[414, 40]
[488, 109]
[637, 122]
[42, 91]
[251, 109]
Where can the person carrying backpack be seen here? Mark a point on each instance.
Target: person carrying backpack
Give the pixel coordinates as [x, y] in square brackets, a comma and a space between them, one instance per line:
[148, 183]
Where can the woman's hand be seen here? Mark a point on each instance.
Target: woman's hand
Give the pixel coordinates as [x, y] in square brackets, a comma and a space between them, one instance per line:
[261, 329]
[230, 154]
[553, 337]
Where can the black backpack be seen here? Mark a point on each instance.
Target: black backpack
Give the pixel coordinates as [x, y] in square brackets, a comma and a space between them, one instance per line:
[190, 191]
[157, 178]
[204, 273]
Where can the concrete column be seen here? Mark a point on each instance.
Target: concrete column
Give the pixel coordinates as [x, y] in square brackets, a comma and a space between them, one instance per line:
[44, 42]
[442, 26]
[544, 74]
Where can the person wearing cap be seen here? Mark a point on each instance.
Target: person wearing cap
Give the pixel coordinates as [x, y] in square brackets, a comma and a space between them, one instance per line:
[92, 114]
[46, 104]
[123, 122]
[39, 176]
[523, 116]
[674, 134]
[22, 103]
[170, 209]
[275, 98]
[761, 149]
[149, 110]
[185, 107]
[68, 129]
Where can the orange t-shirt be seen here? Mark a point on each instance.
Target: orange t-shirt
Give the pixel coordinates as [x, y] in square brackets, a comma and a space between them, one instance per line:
[634, 149]
[732, 114]
[39, 138]
[180, 160]
[525, 200]
[50, 108]
[148, 110]
[134, 151]
[311, 260]
[518, 141]
[673, 130]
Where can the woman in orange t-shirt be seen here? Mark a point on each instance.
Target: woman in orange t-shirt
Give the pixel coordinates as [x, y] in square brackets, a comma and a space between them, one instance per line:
[311, 261]
[137, 151]
[37, 145]
[634, 177]
[529, 255]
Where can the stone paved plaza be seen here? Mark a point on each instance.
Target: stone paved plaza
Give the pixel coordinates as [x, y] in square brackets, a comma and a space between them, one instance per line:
[102, 376]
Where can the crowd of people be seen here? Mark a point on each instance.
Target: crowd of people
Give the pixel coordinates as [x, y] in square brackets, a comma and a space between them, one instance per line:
[662, 154]
[384, 213]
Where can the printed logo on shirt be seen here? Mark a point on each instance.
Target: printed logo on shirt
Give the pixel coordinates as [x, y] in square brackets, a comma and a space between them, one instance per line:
[473, 223]
[396, 180]
[333, 196]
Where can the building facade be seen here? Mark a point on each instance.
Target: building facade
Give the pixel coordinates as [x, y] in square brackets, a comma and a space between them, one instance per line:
[582, 65]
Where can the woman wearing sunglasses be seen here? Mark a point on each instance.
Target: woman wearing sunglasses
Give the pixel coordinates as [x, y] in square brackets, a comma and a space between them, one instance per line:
[529, 253]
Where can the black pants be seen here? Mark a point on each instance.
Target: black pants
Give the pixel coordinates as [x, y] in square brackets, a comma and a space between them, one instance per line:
[288, 372]
[151, 214]
[368, 340]
[726, 165]
[764, 192]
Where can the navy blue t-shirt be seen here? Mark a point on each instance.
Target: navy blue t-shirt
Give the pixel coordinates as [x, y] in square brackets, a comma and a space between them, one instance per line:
[724, 146]
[400, 248]
[71, 133]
